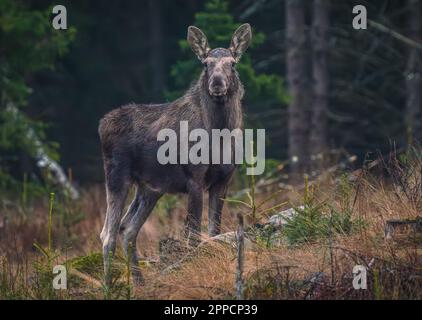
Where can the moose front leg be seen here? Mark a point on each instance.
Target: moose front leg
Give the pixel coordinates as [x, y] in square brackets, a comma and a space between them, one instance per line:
[216, 195]
[194, 217]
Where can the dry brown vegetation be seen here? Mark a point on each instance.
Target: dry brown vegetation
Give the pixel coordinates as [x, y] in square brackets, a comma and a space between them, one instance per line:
[279, 270]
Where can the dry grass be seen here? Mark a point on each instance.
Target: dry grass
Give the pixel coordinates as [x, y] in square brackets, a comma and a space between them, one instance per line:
[274, 272]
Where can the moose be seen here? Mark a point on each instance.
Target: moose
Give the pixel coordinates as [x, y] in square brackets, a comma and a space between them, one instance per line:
[129, 146]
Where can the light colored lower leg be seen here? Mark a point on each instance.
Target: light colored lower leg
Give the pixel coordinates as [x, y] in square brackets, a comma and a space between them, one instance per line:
[130, 228]
[115, 204]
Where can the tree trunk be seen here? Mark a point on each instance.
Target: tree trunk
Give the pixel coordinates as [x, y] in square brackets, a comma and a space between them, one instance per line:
[43, 160]
[156, 51]
[413, 116]
[296, 75]
[318, 136]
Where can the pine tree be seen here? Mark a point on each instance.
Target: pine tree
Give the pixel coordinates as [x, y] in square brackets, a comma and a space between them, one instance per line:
[28, 44]
[263, 91]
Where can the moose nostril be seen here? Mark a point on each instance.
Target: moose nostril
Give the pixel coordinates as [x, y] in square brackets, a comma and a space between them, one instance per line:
[221, 86]
[217, 86]
[218, 82]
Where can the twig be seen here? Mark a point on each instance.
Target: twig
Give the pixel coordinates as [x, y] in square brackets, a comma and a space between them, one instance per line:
[240, 239]
[395, 34]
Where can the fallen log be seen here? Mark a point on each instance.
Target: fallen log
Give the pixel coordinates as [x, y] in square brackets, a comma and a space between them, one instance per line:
[393, 225]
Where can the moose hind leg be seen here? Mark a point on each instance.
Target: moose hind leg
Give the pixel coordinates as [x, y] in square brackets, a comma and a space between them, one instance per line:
[132, 223]
[117, 187]
[131, 212]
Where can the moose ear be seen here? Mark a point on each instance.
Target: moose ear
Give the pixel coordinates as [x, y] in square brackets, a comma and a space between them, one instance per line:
[198, 42]
[240, 41]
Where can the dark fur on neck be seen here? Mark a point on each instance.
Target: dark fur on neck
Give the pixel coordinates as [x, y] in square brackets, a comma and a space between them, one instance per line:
[221, 112]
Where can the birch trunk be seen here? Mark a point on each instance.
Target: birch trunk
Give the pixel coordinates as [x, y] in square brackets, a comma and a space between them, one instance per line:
[43, 161]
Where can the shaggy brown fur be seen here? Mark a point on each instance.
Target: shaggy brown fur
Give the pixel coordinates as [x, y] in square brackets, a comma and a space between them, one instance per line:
[129, 144]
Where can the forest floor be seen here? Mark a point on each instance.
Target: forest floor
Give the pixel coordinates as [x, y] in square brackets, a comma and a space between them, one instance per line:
[340, 223]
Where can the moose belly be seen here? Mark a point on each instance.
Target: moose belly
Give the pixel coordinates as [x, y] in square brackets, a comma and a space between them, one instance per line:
[219, 173]
[174, 178]
[168, 178]
[163, 178]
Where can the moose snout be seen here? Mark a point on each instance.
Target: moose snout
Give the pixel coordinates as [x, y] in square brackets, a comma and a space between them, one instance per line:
[217, 87]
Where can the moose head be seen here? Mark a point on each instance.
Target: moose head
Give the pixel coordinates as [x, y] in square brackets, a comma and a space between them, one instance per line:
[220, 63]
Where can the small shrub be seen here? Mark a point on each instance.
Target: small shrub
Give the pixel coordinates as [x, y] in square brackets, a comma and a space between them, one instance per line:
[315, 220]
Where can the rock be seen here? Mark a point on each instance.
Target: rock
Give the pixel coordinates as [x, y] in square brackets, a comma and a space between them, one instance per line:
[230, 238]
[281, 218]
[171, 250]
[173, 253]
[270, 232]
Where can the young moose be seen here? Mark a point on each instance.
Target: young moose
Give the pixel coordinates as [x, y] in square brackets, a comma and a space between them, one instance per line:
[129, 145]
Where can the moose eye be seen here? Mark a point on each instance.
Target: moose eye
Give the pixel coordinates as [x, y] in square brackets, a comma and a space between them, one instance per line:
[233, 64]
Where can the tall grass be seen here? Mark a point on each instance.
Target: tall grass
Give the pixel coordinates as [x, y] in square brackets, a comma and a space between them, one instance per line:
[338, 225]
